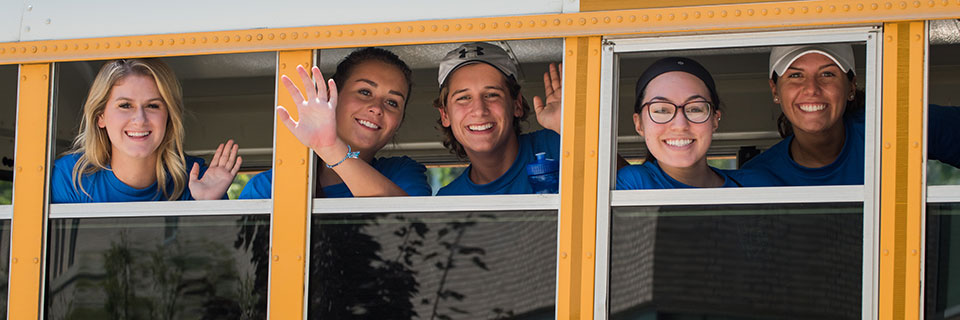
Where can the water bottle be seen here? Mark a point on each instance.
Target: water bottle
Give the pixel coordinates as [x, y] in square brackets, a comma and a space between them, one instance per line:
[544, 175]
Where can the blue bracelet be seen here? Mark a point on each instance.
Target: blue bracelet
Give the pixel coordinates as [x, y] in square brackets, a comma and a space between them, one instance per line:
[347, 156]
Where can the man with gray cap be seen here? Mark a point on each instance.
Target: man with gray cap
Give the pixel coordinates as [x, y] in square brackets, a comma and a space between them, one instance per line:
[481, 109]
[822, 120]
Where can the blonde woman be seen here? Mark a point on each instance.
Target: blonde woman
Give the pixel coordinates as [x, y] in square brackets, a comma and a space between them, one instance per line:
[130, 144]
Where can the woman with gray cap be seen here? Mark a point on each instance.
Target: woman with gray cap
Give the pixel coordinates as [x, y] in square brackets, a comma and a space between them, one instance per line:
[823, 120]
[677, 111]
[481, 109]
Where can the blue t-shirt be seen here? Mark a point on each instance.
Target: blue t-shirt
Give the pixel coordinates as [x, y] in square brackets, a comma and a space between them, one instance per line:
[649, 175]
[407, 173]
[103, 185]
[848, 168]
[514, 181]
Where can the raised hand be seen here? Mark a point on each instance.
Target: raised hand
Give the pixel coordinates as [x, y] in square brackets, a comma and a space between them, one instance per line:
[317, 125]
[219, 175]
[548, 112]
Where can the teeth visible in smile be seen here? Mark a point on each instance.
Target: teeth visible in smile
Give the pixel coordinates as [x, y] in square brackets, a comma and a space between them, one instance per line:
[138, 133]
[679, 142]
[368, 124]
[480, 127]
[812, 107]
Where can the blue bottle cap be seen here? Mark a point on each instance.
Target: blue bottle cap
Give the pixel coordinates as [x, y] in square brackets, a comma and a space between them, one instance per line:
[543, 165]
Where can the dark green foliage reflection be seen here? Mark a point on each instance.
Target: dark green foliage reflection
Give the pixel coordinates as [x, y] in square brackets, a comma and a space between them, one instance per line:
[154, 268]
[433, 266]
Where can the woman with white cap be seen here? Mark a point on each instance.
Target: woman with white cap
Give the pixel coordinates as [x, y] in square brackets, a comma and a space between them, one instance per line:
[677, 110]
[823, 119]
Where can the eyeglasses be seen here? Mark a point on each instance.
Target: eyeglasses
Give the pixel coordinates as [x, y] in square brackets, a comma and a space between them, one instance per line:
[663, 112]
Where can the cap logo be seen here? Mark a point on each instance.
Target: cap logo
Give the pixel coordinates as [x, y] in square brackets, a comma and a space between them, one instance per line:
[464, 52]
[680, 63]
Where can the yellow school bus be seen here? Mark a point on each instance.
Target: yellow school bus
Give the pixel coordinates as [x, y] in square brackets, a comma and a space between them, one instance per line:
[887, 249]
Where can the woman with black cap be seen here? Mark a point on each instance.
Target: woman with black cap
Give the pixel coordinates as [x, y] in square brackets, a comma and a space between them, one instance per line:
[677, 112]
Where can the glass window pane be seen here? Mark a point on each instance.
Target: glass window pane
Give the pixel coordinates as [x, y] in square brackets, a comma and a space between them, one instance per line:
[4, 265]
[944, 108]
[463, 265]
[764, 261]
[942, 295]
[158, 268]
[8, 122]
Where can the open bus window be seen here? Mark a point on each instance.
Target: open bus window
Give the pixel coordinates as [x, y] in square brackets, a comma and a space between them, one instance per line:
[419, 136]
[228, 96]
[746, 125]
[731, 252]
[942, 253]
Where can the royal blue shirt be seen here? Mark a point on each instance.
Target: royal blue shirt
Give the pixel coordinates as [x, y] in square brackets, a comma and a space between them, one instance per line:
[407, 173]
[848, 168]
[103, 185]
[514, 181]
[649, 175]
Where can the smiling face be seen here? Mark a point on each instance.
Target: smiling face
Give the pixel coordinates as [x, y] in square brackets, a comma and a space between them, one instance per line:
[480, 111]
[678, 143]
[813, 94]
[135, 118]
[370, 106]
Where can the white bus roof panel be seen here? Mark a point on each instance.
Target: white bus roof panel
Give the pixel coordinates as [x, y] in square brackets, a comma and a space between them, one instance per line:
[71, 19]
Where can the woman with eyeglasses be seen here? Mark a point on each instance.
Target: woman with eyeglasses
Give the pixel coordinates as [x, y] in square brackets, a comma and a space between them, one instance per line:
[677, 112]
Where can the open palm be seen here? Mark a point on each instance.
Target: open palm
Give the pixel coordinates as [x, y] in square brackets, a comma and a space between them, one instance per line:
[219, 175]
[548, 109]
[317, 123]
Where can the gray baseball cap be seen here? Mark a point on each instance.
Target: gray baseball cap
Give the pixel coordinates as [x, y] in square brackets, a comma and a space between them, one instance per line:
[476, 52]
[782, 57]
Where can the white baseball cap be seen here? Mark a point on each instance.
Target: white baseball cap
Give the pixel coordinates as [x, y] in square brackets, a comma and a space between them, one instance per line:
[782, 57]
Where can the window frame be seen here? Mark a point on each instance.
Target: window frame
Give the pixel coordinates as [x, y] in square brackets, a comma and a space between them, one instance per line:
[868, 193]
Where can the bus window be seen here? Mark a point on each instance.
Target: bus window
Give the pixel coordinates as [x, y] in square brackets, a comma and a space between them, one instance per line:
[170, 259]
[224, 96]
[726, 252]
[8, 116]
[8, 122]
[433, 265]
[748, 119]
[419, 136]
[942, 274]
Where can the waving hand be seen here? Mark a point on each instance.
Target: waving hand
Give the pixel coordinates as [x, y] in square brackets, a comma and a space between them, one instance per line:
[317, 123]
[548, 110]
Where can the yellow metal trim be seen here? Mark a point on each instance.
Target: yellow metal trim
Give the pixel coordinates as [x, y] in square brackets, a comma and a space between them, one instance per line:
[291, 199]
[602, 5]
[571, 175]
[26, 236]
[580, 142]
[618, 22]
[901, 168]
[591, 145]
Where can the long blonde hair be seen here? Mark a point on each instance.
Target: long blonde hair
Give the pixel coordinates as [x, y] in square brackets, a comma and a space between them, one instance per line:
[93, 144]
